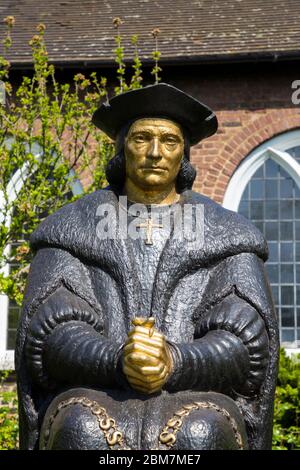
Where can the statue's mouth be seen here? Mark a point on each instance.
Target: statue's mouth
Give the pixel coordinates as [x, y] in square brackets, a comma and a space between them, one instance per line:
[154, 168]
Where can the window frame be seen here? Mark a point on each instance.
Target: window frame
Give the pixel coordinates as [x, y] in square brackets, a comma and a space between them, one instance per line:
[274, 148]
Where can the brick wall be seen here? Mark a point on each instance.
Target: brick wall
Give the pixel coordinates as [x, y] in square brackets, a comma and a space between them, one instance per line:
[240, 131]
[252, 103]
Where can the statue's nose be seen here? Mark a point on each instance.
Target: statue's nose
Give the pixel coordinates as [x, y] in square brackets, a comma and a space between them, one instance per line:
[154, 151]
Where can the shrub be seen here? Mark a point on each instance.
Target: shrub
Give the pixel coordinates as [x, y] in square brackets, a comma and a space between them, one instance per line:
[9, 427]
[48, 140]
[286, 433]
[47, 143]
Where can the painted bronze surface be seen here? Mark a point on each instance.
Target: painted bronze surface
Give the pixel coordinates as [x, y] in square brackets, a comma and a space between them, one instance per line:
[147, 343]
[153, 151]
[147, 359]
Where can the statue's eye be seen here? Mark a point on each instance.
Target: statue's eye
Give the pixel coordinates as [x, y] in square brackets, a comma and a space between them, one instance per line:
[171, 141]
[140, 138]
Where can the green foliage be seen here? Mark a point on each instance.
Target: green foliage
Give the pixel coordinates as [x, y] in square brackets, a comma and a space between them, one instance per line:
[8, 415]
[119, 58]
[47, 142]
[286, 432]
[156, 56]
[136, 78]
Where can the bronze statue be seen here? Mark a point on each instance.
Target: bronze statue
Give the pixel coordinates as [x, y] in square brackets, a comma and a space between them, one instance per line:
[137, 337]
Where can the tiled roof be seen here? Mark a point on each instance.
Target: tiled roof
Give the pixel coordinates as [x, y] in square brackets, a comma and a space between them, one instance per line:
[82, 30]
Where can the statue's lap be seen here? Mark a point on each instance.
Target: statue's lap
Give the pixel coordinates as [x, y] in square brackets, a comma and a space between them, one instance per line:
[92, 419]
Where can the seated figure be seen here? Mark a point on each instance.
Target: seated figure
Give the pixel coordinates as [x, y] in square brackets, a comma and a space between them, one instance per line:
[148, 321]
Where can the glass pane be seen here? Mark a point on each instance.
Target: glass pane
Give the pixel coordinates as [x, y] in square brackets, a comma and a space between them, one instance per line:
[297, 209]
[286, 188]
[271, 169]
[298, 273]
[287, 317]
[271, 189]
[244, 208]
[286, 251]
[286, 210]
[13, 304]
[11, 339]
[275, 292]
[287, 336]
[298, 316]
[277, 314]
[273, 273]
[286, 231]
[257, 189]
[259, 173]
[272, 210]
[297, 251]
[287, 273]
[283, 174]
[259, 225]
[272, 231]
[13, 317]
[273, 251]
[297, 230]
[294, 152]
[245, 195]
[256, 210]
[287, 295]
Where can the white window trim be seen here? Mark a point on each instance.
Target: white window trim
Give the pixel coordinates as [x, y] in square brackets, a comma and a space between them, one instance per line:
[274, 148]
[251, 164]
[7, 356]
[291, 351]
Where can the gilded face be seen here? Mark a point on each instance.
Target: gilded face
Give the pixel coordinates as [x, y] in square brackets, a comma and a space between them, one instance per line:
[153, 150]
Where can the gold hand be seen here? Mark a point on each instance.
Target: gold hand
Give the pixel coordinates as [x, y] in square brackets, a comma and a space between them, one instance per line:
[147, 360]
[146, 322]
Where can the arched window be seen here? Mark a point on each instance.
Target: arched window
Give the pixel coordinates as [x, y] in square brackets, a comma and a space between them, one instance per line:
[266, 190]
[9, 310]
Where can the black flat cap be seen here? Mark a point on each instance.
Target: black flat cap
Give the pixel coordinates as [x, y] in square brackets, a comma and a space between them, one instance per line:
[161, 100]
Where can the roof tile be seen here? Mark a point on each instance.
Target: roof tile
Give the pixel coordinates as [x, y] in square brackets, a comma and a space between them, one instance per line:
[82, 30]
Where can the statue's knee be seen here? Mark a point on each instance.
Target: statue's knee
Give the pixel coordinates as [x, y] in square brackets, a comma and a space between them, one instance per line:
[208, 430]
[73, 427]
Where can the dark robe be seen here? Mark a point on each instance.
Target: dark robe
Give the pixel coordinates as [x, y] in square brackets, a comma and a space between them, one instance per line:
[213, 304]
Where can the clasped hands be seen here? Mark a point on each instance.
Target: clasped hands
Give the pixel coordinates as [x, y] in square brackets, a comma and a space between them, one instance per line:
[147, 361]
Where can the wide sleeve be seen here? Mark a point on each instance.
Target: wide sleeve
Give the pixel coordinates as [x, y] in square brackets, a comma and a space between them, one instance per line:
[229, 354]
[65, 344]
[61, 339]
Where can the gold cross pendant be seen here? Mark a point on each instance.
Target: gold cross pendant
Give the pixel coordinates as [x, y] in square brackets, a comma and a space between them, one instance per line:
[149, 225]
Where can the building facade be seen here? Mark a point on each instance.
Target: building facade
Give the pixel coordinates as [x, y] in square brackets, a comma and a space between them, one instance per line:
[241, 58]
